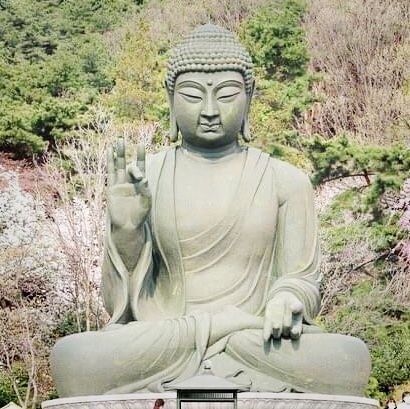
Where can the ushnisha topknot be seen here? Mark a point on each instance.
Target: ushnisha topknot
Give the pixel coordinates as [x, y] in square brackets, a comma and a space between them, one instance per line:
[209, 48]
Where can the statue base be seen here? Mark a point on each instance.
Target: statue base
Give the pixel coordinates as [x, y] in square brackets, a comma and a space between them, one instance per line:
[246, 400]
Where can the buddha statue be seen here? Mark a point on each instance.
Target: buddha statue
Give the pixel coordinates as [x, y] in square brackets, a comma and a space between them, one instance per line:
[212, 252]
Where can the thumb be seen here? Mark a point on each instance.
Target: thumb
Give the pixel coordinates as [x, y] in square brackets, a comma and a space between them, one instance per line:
[134, 173]
[142, 188]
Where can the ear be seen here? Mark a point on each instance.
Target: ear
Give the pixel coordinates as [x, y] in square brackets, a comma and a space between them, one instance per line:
[245, 130]
[173, 126]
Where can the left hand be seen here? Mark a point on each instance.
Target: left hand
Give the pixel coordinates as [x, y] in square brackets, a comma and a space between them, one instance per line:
[283, 317]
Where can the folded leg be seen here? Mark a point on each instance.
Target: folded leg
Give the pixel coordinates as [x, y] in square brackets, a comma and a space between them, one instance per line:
[129, 358]
[142, 355]
[316, 363]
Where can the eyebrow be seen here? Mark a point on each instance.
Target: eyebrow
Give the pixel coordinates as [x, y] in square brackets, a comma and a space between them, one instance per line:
[228, 83]
[191, 83]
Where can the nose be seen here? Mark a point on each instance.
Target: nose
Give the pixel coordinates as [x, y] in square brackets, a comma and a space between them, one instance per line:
[210, 110]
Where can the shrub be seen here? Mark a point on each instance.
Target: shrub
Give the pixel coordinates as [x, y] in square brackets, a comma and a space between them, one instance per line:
[276, 39]
[368, 312]
[7, 391]
[55, 64]
[361, 50]
[383, 169]
[169, 20]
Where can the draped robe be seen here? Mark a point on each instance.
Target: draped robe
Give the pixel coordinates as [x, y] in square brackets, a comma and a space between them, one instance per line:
[272, 211]
[168, 299]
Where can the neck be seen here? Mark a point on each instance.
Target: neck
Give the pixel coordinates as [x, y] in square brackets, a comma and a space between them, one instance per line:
[212, 153]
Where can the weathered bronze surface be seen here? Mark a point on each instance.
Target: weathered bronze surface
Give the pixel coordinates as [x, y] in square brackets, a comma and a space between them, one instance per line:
[211, 253]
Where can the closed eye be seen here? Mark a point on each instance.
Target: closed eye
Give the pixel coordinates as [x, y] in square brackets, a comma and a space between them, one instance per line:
[191, 94]
[228, 97]
[228, 93]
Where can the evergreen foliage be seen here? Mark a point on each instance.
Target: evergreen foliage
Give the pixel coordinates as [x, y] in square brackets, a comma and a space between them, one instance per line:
[139, 93]
[54, 64]
[361, 215]
[276, 42]
[7, 392]
[341, 157]
[369, 313]
[276, 39]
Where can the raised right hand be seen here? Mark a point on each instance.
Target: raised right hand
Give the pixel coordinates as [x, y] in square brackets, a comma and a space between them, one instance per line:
[129, 198]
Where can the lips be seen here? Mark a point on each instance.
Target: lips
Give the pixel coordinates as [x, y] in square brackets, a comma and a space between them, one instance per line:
[207, 127]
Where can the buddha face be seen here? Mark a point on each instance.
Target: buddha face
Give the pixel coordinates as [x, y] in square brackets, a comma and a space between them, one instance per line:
[210, 107]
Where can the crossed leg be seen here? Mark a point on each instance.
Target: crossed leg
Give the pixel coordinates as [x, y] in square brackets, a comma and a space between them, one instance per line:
[316, 363]
[141, 355]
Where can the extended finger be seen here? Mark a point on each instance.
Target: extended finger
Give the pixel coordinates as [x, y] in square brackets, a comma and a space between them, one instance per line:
[142, 188]
[121, 175]
[297, 326]
[267, 328]
[276, 331]
[141, 157]
[110, 167]
[134, 173]
[277, 321]
[287, 321]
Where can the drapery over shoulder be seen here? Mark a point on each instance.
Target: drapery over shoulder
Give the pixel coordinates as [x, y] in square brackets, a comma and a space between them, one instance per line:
[156, 290]
[121, 289]
[116, 280]
[297, 253]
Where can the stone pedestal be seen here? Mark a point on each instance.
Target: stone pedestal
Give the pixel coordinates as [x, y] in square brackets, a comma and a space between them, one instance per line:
[246, 400]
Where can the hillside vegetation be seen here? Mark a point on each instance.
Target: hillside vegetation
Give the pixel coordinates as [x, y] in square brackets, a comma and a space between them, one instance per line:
[332, 97]
[54, 63]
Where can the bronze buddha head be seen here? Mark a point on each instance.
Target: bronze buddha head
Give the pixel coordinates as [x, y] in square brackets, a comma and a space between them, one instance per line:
[210, 85]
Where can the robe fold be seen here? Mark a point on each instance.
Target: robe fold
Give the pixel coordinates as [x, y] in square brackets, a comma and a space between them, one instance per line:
[271, 219]
[266, 242]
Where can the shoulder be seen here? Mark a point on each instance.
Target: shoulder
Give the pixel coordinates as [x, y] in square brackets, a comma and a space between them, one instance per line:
[154, 161]
[288, 172]
[156, 158]
[289, 180]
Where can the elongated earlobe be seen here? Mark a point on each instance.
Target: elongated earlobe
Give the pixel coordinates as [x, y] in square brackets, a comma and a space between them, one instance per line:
[245, 129]
[173, 126]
